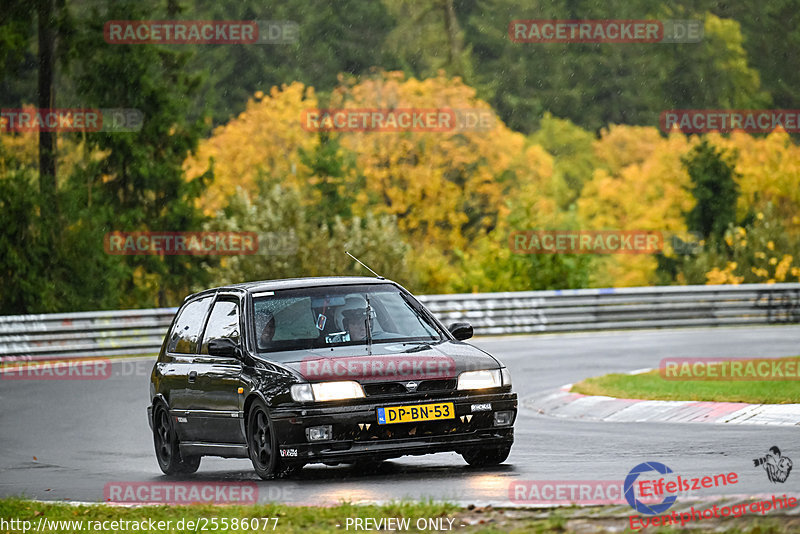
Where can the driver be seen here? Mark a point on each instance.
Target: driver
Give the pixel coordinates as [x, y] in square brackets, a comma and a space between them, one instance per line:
[355, 321]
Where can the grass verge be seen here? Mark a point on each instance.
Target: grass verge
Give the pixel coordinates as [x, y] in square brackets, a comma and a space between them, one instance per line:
[652, 386]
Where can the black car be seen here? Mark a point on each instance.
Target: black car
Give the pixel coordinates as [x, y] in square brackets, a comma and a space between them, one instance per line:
[332, 370]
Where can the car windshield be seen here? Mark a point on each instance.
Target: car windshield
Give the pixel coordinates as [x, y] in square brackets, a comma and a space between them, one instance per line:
[336, 316]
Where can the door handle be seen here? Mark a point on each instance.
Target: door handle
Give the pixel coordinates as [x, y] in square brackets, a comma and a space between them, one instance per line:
[192, 376]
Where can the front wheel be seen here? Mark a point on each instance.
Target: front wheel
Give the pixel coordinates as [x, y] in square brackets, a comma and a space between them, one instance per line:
[167, 448]
[487, 456]
[261, 441]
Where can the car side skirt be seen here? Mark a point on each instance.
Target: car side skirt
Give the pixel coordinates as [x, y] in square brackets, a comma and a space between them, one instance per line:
[225, 450]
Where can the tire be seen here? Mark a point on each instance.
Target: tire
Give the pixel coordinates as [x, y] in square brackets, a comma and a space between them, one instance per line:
[487, 456]
[168, 452]
[262, 445]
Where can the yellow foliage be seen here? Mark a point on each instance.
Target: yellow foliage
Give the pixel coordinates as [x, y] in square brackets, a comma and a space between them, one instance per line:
[620, 146]
[445, 187]
[725, 276]
[643, 188]
[769, 168]
[265, 138]
[783, 267]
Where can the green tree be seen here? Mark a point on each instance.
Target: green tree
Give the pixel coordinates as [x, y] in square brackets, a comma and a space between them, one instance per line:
[715, 189]
[714, 73]
[596, 84]
[139, 180]
[771, 39]
[428, 37]
[333, 38]
[39, 275]
[329, 167]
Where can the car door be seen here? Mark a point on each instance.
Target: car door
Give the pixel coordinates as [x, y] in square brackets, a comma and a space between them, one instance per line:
[217, 403]
[176, 371]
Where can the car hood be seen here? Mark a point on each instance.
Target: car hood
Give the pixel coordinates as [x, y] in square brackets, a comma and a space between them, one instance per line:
[389, 362]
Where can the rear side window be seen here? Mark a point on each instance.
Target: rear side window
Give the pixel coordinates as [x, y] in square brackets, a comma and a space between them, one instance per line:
[223, 322]
[186, 332]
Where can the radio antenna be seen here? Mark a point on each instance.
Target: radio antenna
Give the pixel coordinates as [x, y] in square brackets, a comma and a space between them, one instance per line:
[379, 277]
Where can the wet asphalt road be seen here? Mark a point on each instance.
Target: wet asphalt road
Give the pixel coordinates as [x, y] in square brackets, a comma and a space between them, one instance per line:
[67, 439]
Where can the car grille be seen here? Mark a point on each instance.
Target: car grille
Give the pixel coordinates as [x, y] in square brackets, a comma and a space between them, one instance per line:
[423, 386]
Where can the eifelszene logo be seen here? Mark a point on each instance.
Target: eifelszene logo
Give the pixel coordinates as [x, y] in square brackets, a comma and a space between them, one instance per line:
[630, 496]
[654, 488]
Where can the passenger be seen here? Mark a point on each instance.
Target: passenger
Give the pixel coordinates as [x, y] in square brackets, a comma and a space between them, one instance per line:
[268, 332]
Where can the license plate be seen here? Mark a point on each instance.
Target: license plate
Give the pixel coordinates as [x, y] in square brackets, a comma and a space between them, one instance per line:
[420, 412]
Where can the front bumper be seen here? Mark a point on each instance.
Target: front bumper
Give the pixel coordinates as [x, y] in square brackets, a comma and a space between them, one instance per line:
[353, 440]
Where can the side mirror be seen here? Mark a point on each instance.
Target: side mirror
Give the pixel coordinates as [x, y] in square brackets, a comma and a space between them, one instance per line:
[225, 347]
[461, 331]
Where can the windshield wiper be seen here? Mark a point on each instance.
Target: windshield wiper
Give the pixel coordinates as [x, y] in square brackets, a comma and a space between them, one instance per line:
[421, 345]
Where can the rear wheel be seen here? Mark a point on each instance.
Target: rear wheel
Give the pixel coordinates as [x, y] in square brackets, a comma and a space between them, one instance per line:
[167, 446]
[487, 456]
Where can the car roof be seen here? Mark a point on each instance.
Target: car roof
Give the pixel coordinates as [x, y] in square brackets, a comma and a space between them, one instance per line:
[296, 283]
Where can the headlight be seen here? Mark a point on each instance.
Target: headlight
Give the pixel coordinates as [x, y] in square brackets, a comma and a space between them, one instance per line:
[480, 379]
[302, 393]
[327, 391]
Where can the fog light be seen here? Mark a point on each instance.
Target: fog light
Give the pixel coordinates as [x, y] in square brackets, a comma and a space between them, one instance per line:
[503, 418]
[319, 433]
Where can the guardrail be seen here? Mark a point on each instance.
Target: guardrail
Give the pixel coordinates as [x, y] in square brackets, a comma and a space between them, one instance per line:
[619, 308]
[68, 335]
